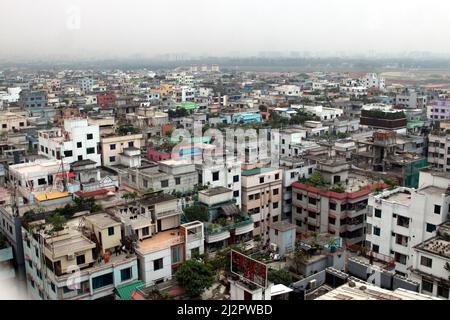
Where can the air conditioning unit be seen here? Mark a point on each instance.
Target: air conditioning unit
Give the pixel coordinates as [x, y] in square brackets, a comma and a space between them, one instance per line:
[70, 256]
[313, 284]
[273, 247]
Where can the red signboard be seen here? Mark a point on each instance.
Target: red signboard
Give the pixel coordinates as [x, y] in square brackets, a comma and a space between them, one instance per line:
[249, 269]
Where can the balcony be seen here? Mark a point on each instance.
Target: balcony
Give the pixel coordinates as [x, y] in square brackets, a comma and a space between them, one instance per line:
[353, 227]
[167, 213]
[216, 236]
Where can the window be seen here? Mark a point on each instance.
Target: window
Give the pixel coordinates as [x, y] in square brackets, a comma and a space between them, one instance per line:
[158, 264]
[437, 209]
[90, 150]
[236, 193]
[312, 200]
[177, 254]
[332, 206]
[215, 176]
[376, 231]
[177, 180]
[102, 281]
[46, 150]
[145, 231]
[378, 213]
[235, 178]
[275, 191]
[112, 159]
[42, 149]
[431, 227]
[52, 285]
[81, 259]
[299, 196]
[90, 136]
[427, 262]
[427, 286]
[261, 180]
[112, 147]
[130, 144]
[68, 153]
[331, 220]
[79, 145]
[403, 221]
[298, 223]
[277, 176]
[126, 274]
[442, 291]
[164, 183]
[41, 181]
[275, 219]
[400, 258]
[4, 126]
[375, 248]
[30, 264]
[110, 231]
[80, 158]
[275, 205]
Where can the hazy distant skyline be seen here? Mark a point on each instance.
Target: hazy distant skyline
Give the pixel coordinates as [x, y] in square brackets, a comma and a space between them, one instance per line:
[119, 28]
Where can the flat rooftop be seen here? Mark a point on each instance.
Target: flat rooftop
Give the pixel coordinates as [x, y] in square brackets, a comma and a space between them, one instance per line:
[215, 191]
[102, 220]
[356, 290]
[400, 197]
[436, 245]
[160, 241]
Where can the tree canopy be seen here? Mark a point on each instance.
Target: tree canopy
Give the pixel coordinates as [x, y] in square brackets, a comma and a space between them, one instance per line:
[194, 276]
[196, 212]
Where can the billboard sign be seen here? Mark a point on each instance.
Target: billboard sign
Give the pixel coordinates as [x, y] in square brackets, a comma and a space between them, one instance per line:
[249, 269]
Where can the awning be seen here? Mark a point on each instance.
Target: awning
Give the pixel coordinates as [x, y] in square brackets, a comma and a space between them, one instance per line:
[125, 291]
[230, 210]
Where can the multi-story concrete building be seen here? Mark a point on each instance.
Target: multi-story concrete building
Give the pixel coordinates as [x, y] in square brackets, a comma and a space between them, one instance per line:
[162, 242]
[83, 261]
[12, 121]
[439, 151]
[402, 218]
[440, 110]
[226, 223]
[76, 141]
[226, 174]
[112, 147]
[35, 103]
[86, 84]
[294, 168]
[337, 204]
[168, 175]
[372, 80]
[261, 197]
[431, 263]
[411, 99]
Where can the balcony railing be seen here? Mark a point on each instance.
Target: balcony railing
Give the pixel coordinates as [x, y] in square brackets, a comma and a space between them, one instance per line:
[210, 229]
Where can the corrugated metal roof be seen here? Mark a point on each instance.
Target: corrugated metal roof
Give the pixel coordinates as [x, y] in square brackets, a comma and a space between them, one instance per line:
[125, 291]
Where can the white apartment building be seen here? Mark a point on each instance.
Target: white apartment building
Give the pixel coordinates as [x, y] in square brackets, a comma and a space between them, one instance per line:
[227, 174]
[322, 112]
[355, 91]
[372, 80]
[431, 264]
[402, 218]
[76, 141]
[286, 139]
[289, 90]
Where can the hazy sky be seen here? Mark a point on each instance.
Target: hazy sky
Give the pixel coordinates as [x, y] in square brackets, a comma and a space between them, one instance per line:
[221, 27]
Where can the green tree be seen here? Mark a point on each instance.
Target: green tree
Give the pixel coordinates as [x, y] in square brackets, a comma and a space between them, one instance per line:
[280, 277]
[196, 212]
[130, 196]
[299, 257]
[57, 223]
[316, 180]
[194, 276]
